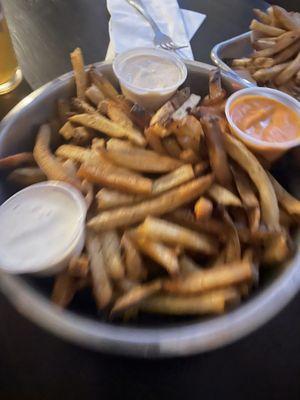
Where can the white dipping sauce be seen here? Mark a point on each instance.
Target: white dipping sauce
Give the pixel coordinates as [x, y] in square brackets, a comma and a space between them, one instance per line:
[40, 226]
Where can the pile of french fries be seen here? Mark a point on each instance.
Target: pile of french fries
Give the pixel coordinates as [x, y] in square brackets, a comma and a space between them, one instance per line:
[181, 215]
[275, 62]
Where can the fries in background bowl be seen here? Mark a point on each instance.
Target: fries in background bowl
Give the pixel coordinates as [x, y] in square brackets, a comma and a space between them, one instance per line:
[182, 216]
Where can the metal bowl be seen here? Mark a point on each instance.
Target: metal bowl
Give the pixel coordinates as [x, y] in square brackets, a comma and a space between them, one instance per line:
[149, 338]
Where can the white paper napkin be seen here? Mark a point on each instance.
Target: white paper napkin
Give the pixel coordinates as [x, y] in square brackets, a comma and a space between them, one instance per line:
[129, 29]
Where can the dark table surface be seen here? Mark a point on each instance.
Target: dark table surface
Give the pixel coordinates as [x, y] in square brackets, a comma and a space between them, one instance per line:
[36, 365]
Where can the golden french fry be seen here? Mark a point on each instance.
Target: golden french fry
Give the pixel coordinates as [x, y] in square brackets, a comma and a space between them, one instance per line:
[114, 177]
[103, 84]
[98, 143]
[94, 94]
[241, 62]
[172, 147]
[217, 154]
[109, 198]
[232, 251]
[160, 230]
[82, 106]
[267, 30]
[262, 16]
[285, 18]
[52, 168]
[135, 270]
[101, 285]
[268, 200]
[203, 208]
[209, 279]
[79, 72]
[67, 131]
[286, 40]
[162, 204]
[213, 302]
[82, 135]
[277, 249]
[135, 296]
[286, 200]
[65, 287]
[16, 160]
[77, 153]
[154, 141]
[79, 266]
[223, 196]
[26, 176]
[287, 53]
[261, 44]
[189, 156]
[112, 255]
[175, 178]
[263, 62]
[266, 74]
[289, 71]
[244, 187]
[142, 160]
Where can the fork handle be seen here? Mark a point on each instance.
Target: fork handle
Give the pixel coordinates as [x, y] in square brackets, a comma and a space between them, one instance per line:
[138, 5]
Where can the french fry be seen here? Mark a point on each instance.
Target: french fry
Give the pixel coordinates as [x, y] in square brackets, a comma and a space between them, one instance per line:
[189, 156]
[262, 16]
[263, 62]
[223, 196]
[16, 160]
[134, 267]
[285, 18]
[67, 131]
[289, 71]
[286, 200]
[154, 141]
[65, 287]
[163, 255]
[47, 162]
[286, 40]
[26, 176]
[266, 74]
[267, 30]
[203, 208]
[118, 144]
[213, 302]
[200, 168]
[77, 153]
[166, 202]
[81, 135]
[277, 249]
[82, 106]
[217, 154]
[188, 132]
[109, 198]
[94, 94]
[79, 266]
[241, 62]
[115, 177]
[287, 53]
[110, 128]
[204, 280]
[162, 231]
[142, 160]
[244, 187]
[135, 296]
[101, 285]
[268, 200]
[216, 92]
[187, 265]
[112, 255]
[103, 84]
[79, 72]
[175, 178]
[172, 147]
[232, 251]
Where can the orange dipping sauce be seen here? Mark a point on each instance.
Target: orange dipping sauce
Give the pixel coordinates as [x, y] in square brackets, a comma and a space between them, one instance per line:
[265, 119]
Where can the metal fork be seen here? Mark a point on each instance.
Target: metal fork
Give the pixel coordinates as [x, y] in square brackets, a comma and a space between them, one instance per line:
[160, 39]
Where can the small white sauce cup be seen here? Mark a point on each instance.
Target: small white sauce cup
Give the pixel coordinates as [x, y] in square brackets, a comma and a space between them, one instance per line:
[149, 98]
[73, 244]
[269, 150]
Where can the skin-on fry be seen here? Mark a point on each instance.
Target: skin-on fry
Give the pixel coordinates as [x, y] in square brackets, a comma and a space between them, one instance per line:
[217, 154]
[162, 204]
[112, 255]
[103, 84]
[101, 285]
[286, 40]
[203, 208]
[268, 200]
[94, 95]
[172, 147]
[118, 144]
[135, 296]
[213, 302]
[52, 168]
[288, 72]
[110, 128]
[232, 251]
[109, 198]
[162, 231]
[134, 267]
[77, 153]
[67, 131]
[285, 18]
[209, 279]
[81, 79]
[266, 74]
[287, 53]
[117, 178]
[175, 178]
[244, 187]
[79, 266]
[16, 160]
[142, 160]
[285, 199]
[266, 29]
[223, 196]
[163, 255]
[82, 106]
[26, 176]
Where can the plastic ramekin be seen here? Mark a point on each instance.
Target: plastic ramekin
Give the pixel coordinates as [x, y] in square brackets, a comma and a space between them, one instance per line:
[269, 150]
[73, 243]
[149, 98]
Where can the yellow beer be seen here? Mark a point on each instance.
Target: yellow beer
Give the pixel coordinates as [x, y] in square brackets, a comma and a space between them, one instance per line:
[10, 74]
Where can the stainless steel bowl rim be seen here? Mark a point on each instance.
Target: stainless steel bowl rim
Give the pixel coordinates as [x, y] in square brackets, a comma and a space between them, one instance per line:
[190, 338]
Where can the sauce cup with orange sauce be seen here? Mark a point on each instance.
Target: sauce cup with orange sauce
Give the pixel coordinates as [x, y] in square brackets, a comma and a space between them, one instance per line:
[266, 120]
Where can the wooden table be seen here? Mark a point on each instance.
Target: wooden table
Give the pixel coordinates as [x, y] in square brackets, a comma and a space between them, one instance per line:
[37, 365]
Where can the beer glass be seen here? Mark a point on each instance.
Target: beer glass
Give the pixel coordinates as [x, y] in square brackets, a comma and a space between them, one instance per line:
[10, 73]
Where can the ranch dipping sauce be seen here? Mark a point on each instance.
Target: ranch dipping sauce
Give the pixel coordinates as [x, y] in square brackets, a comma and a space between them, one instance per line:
[149, 76]
[42, 226]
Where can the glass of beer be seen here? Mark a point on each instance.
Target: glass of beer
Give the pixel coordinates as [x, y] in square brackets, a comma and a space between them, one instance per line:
[10, 73]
